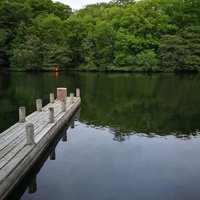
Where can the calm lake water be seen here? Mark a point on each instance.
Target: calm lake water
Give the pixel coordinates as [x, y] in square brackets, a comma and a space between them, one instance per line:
[137, 136]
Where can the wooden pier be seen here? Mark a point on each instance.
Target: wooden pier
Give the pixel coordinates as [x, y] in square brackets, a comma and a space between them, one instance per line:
[24, 142]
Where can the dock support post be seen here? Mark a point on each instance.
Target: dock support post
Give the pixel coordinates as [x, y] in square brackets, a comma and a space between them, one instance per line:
[53, 154]
[51, 97]
[72, 124]
[78, 93]
[51, 115]
[22, 114]
[30, 134]
[64, 138]
[78, 114]
[39, 104]
[63, 106]
[61, 94]
[71, 97]
[32, 188]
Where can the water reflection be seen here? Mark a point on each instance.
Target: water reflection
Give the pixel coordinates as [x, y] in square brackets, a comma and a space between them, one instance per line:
[159, 103]
[120, 135]
[152, 152]
[53, 154]
[64, 138]
[91, 165]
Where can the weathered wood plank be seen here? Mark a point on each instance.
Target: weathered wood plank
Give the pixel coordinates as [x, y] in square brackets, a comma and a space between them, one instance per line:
[41, 132]
[16, 133]
[11, 154]
[19, 143]
[18, 125]
[20, 157]
[30, 117]
[57, 118]
[11, 146]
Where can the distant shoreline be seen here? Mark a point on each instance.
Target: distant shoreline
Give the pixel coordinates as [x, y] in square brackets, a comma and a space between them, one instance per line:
[109, 70]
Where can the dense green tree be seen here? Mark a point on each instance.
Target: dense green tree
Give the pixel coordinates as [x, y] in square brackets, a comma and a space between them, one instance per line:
[147, 60]
[122, 2]
[39, 7]
[171, 52]
[42, 45]
[27, 56]
[146, 35]
[3, 39]
[12, 13]
[191, 40]
[182, 52]
[17, 19]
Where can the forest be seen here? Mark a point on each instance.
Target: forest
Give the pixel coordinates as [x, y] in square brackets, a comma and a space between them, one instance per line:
[122, 35]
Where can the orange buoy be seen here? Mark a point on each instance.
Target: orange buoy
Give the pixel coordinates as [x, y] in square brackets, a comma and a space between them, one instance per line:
[56, 69]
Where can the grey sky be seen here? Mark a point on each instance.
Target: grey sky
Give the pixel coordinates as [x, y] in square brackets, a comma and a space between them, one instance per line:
[77, 4]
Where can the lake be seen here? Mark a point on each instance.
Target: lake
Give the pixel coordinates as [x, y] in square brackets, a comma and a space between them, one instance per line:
[136, 136]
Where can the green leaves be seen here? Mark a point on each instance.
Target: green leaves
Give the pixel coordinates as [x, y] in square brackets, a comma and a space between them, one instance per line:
[147, 60]
[3, 39]
[45, 48]
[30, 25]
[55, 55]
[28, 55]
[181, 53]
[147, 35]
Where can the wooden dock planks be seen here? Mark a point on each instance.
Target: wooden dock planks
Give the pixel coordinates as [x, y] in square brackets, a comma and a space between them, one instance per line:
[16, 158]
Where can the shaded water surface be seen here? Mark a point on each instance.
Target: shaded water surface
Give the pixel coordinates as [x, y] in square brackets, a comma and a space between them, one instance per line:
[137, 136]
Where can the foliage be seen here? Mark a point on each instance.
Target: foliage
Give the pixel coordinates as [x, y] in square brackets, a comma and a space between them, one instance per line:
[3, 38]
[27, 55]
[181, 52]
[146, 35]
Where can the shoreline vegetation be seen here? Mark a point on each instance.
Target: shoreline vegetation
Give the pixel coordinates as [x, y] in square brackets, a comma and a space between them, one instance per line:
[112, 69]
[119, 36]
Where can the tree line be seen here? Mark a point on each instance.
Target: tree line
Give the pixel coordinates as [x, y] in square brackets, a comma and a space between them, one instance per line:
[122, 35]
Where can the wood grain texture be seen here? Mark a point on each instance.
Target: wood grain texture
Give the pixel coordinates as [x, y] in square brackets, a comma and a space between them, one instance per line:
[16, 158]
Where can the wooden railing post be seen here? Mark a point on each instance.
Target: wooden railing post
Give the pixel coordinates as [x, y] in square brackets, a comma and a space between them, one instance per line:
[71, 97]
[30, 134]
[22, 114]
[61, 94]
[51, 115]
[78, 92]
[51, 97]
[39, 105]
